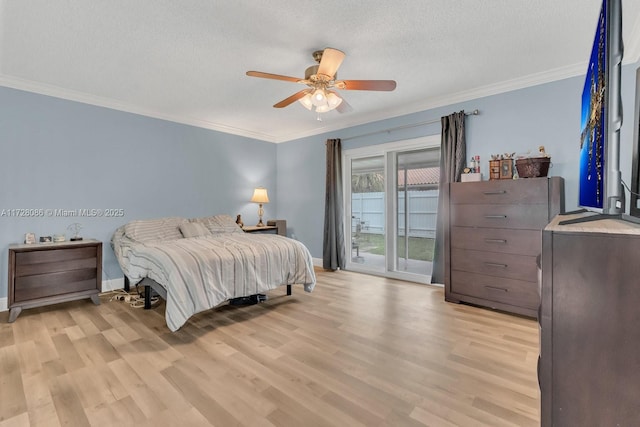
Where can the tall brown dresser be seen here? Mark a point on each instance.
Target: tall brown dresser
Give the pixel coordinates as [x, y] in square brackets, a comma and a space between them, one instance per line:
[493, 237]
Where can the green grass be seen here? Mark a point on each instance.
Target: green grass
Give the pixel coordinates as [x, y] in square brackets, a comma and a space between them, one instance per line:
[420, 248]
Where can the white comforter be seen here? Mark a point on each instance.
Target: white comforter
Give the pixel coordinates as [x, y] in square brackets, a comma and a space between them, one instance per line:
[201, 272]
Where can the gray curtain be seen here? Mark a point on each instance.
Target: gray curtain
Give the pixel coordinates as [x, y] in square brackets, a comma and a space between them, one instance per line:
[333, 250]
[453, 153]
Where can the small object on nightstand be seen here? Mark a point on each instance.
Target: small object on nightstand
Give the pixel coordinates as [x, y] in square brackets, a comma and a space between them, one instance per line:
[58, 238]
[45, 239]
[239, 221]
[29, 238]
[75, 228]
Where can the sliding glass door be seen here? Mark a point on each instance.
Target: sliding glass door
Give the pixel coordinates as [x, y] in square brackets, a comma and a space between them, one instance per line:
[368, 213]
[391, 193]
[416, 195]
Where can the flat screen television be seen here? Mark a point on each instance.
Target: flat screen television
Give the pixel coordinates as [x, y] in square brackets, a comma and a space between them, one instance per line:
[600, 180]
[634, 207]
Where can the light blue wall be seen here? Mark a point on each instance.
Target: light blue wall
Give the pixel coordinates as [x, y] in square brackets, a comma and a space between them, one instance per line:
[517, 121]
[57, 154]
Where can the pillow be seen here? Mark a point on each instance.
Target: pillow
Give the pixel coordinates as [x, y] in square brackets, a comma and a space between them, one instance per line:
[217, 224]
[148, 230]
[194, 229]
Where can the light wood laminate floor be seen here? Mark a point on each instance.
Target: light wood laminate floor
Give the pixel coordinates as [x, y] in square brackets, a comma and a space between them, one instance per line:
[358, 351]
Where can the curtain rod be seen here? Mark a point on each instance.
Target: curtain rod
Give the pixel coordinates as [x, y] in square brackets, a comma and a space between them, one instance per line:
[428, 122]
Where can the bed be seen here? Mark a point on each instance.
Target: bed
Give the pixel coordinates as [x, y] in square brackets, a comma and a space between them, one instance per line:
[196, 264]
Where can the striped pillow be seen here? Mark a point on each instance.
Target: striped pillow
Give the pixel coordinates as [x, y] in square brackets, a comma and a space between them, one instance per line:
[194, 229]
[148, 230]
[219, 224]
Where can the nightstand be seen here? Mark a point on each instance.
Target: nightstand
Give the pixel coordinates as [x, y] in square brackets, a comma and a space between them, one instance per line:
[49, 273]
[277, 226]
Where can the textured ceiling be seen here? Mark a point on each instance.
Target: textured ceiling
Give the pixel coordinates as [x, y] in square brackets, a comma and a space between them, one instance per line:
[186, 60]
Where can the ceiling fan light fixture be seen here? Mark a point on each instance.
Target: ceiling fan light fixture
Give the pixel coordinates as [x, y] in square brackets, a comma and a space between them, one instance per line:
[333, 100]
[306, 101]
[323, 108]
[319, 98]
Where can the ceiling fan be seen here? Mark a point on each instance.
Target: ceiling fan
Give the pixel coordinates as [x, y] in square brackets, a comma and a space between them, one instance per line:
[322, 79]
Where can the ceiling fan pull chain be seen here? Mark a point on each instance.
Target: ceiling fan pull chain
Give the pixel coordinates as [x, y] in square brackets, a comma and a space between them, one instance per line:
[318, 118]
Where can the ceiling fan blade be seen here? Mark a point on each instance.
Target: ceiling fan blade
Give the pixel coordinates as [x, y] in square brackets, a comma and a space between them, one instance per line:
[331, 60]
[344, 107]
[274, 76]
[293, 98]
[386, 85]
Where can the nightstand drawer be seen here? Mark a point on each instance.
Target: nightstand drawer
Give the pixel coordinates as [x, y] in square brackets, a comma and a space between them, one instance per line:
[494, 264]
[519, 242]
[532, 217]
[45, 285]
[31, 269]
[507, 291]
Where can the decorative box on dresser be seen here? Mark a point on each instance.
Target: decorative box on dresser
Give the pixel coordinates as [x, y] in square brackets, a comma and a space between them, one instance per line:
[589, 366]
[492, 239]
[49, 273]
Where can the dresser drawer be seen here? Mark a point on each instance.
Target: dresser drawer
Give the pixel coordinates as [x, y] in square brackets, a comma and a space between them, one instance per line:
[532, 217]
[519, 293]
[519, 242]
[497, 264]
[519, 191]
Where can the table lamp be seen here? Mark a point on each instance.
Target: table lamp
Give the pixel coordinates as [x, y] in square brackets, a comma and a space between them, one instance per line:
[260, 196]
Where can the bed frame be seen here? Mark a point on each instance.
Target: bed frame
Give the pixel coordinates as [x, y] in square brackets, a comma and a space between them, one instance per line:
[150, 284]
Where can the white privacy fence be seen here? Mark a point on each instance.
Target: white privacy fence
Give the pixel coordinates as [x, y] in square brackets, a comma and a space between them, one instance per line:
[367, 211]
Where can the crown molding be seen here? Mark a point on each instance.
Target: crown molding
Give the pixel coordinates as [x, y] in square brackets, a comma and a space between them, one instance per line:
[441, 101]
[71, 95]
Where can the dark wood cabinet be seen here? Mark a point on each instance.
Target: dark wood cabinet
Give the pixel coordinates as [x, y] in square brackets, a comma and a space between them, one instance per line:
[49, 273]
[589, 367]
[492, 239]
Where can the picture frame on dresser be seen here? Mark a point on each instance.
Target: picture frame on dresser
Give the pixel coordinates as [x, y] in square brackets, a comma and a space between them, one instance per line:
[506, 169]
[29, 238]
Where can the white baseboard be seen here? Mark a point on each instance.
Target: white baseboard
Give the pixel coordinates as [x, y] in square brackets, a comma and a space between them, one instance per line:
[3, 304]
[112, 284]
[317, 262]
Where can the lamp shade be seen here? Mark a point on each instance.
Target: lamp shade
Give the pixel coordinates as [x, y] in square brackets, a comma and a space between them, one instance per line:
[260, 195]
[306, 101]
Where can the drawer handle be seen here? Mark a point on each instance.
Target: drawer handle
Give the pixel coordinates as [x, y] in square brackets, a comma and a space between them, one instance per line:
[495, 192]
[493, 288]
[501, 241]
[496, 216]
[493, 264]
